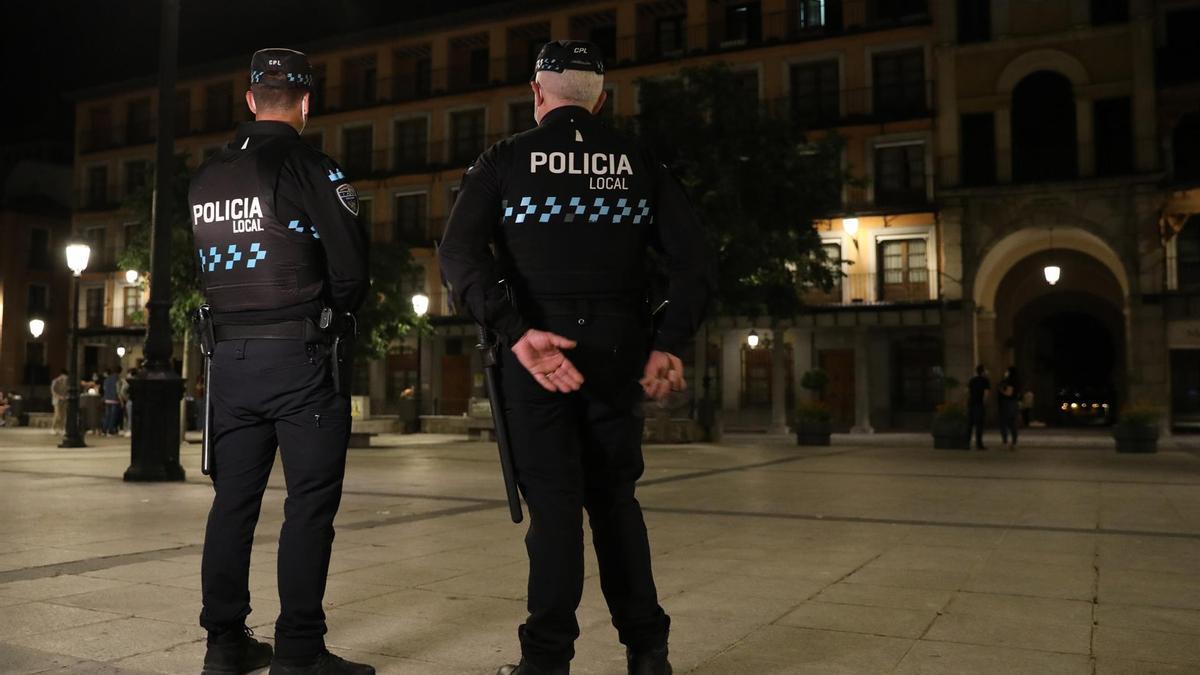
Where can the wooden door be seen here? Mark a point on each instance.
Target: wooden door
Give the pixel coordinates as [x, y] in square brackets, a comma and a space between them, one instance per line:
[838, 364]
[456, 384]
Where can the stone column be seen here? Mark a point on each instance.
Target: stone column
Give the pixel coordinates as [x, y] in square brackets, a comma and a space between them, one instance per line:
[779, 374]
[731, 369]
[862, 384]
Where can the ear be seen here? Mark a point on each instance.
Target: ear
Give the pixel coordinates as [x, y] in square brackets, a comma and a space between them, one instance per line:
[250, 102]
[538, 97]
[305, 103]
[600, 102]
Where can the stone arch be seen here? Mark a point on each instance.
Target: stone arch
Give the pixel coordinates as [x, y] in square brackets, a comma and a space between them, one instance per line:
[1010, 250]
[1041, 59]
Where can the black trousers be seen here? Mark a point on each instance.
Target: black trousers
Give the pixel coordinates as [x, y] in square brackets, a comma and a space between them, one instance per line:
[267, 394]
[576, 452]
[975, 418]
[1008, 421]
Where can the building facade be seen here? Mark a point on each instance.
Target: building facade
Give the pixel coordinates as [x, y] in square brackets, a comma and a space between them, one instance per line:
[960, 182]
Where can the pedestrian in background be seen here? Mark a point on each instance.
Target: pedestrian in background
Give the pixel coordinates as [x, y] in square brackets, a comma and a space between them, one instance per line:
[58, 397]
[978, 390]
[111, 391]
[1026, 407]
[128, 404]
[1009, 401]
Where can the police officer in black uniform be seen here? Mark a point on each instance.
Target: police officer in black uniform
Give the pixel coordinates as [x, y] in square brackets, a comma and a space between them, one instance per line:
[571, 208]
[283, 260]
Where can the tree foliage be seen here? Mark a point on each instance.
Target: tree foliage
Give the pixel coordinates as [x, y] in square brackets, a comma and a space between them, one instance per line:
[759, 183]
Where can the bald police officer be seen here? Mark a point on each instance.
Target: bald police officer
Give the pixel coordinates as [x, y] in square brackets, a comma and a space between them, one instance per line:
[571, 208]
[282, 256]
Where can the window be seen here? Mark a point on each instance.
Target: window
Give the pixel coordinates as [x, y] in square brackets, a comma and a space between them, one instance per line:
[99, 128]
[137, 121]
[218, 106]
[135, 176]
[466, 136]
[94, 308]
[132, 299]
[478, 65]
[314, 138]
[917, 373]
[356, 151]
[411, 215]
[359, 76]
[905, 270]
[412, 143]
[810, 14]
[1178, 60]
[743, 24]
[39, 248]
[520, 117]
[423, 77]
[183, 112]
[833, 254]
[814, 93]
[899, 83]
[1185, 149]
[978, 143]
[669, 36]
[1187, 255]
[895, 11]
[1109, 11]
[1043, 128]
[95, 238]
[366, 211]
[1113, 128]
[97, 182]
[37, 300]
[974, 21]
[900, 174]
[605, 38]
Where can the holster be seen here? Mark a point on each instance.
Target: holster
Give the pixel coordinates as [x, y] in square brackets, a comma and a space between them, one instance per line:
[202, 326]
[342, 331]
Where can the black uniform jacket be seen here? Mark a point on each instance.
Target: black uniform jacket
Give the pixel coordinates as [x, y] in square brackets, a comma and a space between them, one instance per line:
[571, 208]
[276, 229]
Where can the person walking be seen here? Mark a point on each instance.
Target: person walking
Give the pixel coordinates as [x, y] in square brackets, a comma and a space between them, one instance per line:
[566, 294]
[283, 262]
[978, 390]
[127, 403]
[59, 387]
[110, 389]
[1008, 403]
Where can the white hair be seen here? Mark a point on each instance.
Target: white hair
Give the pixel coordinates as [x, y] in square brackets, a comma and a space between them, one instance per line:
[572, 86]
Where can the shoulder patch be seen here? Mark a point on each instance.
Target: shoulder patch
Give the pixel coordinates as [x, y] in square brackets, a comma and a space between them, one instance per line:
[348, 197]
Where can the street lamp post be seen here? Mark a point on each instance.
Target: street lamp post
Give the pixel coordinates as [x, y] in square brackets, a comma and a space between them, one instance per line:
[77, 260]
[420, 303]
[36, 326]
[157, 390]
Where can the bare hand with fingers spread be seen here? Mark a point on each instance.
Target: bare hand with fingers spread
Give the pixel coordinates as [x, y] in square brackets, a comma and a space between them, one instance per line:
[541, 354]
[663, 375]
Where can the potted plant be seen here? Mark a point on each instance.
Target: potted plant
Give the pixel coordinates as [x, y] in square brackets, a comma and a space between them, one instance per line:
[1137, 429]
[950, 430]
[813, 423]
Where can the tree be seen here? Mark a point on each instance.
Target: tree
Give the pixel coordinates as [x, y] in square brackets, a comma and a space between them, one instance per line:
[760, 183]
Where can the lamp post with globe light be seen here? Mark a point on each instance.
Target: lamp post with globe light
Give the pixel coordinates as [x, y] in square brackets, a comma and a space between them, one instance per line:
[77, 259]
[420, 303]
[36, 326]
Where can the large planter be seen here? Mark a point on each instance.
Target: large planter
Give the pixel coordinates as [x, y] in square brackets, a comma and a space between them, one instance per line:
[811, 431]
[951, 434]
[1136, 437]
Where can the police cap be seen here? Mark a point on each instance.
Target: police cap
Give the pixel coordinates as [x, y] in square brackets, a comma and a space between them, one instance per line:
[288, 62]
[561, 55]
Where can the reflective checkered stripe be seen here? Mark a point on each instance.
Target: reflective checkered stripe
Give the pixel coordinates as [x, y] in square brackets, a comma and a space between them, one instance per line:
[213, 259]
[256, 76]
[295, 226]
[568, 210]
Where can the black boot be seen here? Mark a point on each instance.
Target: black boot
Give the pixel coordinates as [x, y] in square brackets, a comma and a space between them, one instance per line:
[648, 662]
[526, 668]
[326, 664]
[236, 652]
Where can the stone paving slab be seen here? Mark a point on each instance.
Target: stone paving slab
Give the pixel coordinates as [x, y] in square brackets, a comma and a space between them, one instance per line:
[876, 555]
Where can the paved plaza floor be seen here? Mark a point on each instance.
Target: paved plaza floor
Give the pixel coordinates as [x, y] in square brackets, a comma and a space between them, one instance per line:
[875, 555]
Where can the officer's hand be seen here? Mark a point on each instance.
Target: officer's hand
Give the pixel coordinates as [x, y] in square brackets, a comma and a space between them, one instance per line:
[541, 354]
[663, 375]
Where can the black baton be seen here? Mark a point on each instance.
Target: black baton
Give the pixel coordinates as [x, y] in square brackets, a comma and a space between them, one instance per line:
[487, 348]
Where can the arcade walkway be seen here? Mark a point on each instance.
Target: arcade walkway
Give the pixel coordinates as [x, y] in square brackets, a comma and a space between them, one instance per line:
[873, 558]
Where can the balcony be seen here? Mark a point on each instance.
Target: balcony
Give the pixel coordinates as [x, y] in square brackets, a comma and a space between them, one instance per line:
[863, 105]
[430, 156]
[1083, 161]
[870, 288]
[98, 198]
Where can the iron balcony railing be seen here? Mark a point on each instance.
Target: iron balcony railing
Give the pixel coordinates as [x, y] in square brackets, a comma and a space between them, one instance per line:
[893, 287]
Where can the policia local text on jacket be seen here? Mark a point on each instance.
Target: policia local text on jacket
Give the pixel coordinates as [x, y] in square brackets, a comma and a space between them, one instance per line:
[571, 208]
[277, 240]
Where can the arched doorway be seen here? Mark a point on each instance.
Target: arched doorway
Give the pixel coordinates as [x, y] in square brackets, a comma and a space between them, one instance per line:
[1043, 128]
[1066, 341]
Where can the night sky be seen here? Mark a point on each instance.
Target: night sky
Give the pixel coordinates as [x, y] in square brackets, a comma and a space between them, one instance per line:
[54, 47]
